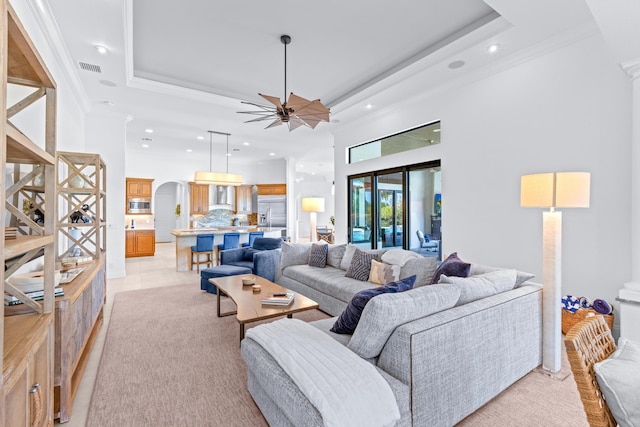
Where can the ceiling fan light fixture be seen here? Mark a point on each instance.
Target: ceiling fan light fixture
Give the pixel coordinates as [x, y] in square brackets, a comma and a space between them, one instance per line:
[295, 111]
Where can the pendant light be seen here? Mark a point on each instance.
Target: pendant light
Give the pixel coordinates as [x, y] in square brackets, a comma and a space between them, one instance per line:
[217, 178]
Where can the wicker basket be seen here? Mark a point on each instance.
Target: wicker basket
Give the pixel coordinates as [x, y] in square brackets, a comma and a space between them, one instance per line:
[569, 319]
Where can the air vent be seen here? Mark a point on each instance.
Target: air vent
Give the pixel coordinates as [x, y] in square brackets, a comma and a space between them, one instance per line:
[90, 67]
[146, 139]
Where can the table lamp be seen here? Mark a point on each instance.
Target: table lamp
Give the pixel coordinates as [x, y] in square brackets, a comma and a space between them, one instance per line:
[553, 190]
[312, 205]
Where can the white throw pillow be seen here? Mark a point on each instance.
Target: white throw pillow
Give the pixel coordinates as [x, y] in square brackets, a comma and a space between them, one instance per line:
[399, 256]
[619, 379]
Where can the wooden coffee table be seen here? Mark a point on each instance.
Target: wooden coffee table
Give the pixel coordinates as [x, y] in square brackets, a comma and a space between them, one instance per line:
[248, 304]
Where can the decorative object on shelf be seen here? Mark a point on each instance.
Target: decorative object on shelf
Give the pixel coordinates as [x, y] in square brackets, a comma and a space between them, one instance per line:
[332, 220]
[217, 178]
[80, 217]
[246, 281]
[553, 190]
[178, 211]
[295, 112]
[312, 205]
[76, 181]
[32, 282]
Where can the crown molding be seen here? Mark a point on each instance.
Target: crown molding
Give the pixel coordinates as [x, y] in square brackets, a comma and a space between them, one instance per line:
[632, 68]
[44, 17]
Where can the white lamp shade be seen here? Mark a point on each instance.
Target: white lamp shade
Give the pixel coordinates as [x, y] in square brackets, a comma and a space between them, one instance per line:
[556, 189]
[313, 204]
[217, 178]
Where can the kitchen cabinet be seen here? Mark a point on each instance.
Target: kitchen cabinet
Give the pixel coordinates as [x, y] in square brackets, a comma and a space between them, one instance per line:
[140, 243]
[244, 202]
[272, 189]
[198, 199]
[139, 187]
[28, 195]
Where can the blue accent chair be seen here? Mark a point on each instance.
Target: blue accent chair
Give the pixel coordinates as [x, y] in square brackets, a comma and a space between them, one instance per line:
[203, 246]
[263, 258]
[231, 241]
[252, 237]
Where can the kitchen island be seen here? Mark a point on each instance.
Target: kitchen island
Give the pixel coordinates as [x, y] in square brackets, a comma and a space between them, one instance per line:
[186, 237]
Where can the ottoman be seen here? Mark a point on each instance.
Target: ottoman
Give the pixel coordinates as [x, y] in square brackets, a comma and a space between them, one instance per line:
[219, 271]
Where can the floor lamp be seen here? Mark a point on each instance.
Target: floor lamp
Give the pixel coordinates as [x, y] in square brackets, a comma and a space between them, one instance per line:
[312, 205]
[553, 190]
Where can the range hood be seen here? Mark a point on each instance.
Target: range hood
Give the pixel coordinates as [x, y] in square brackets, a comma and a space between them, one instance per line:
[220, 197]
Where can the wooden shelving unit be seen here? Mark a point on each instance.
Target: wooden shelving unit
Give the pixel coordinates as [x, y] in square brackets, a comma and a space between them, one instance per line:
[81, 219]
[26, 384]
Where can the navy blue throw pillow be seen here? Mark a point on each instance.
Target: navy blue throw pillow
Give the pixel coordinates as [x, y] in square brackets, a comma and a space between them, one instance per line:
[267, 243]
[348, 320]
[452, 266]
[248, 254]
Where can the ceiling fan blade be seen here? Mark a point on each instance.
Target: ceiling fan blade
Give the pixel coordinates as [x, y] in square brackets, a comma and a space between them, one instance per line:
[261, 106]
[276, 122]
[296, 102]
[314, 109]
[310, 121]
[262, 118]
[295, 122]
[273, 99]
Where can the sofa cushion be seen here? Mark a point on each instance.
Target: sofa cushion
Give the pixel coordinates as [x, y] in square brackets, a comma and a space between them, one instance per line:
[483, 285]
[423, 268]
[481, 269]
[346, 323]
[336, 252]
[350, 250]
[452, 266]
[325, 326]
[294, 254]
[618, 377]
[267, 243]
[398, 256]
[383, 314]
[382, 273]
[330, 281]
[248, 254]
[360, 265]
[318, 255]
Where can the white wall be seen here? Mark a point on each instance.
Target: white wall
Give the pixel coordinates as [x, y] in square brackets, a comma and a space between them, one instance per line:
[106, 135]
[567, 110]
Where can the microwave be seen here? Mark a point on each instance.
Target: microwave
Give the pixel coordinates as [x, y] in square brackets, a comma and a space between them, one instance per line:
[139, 206]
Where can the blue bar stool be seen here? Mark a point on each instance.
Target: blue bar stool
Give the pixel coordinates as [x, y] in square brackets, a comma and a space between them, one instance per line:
[231, 241]
[204, 246]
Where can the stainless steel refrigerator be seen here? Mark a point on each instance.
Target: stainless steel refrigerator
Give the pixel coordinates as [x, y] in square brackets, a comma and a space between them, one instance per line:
[272, 211]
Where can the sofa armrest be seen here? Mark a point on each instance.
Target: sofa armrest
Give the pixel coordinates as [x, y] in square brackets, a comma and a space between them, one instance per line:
[232, 255]
[265, 263]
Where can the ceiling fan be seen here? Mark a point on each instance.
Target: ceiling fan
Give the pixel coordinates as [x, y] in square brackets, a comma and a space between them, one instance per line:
[295, 112]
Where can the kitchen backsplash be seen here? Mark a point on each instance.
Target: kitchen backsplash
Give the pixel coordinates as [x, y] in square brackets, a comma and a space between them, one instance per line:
[141, 222]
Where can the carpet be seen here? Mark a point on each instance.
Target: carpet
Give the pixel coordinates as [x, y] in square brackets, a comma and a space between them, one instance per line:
[168, 360]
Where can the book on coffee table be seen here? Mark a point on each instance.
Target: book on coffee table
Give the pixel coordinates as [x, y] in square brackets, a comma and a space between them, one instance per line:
[279, 299]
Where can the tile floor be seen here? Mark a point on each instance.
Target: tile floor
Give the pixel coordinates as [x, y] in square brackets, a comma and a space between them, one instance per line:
[143, 272]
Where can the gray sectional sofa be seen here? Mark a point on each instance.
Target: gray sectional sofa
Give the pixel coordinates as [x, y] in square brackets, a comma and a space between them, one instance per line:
[445, 350]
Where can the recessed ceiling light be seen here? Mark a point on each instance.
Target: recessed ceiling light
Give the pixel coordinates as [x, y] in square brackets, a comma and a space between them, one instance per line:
[313, 173]
[102, 50]
[108, 83]
[272, 154]
[456, 64]
[301, 166]
[189, 150]
[199, 137]
[148, 130]
[493, 48]
[145, 145]
[437, 130]
[245, 143]
[368, 106]
[228, 154]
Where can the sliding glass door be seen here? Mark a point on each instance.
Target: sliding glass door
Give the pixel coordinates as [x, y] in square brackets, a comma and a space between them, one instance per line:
[405, 212]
